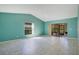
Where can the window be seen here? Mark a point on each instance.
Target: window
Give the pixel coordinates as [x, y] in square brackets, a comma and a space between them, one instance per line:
[28, 28]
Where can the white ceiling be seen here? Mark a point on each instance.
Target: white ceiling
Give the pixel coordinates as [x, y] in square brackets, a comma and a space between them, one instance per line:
[45, 12]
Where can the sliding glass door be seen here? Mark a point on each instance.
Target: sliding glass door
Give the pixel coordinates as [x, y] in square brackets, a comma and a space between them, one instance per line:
[58, 29]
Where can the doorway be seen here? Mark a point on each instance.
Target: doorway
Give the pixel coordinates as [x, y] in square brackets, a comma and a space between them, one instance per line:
[58, 29]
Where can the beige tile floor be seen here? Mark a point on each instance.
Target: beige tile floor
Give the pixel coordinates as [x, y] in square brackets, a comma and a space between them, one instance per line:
[43, 45]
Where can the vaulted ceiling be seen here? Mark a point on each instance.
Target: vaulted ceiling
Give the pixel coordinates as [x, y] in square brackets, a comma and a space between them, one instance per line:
[45, 12]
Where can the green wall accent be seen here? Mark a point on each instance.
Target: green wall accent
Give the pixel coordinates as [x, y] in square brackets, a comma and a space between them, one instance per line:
[12, 25]
[71, 26]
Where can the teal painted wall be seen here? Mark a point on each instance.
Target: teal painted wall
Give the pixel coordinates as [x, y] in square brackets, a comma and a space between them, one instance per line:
[78, 27]
[71, 26]
[78, 22]
[12, 25]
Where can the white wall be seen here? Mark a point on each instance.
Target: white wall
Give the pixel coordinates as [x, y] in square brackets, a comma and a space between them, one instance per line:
[44, 12]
